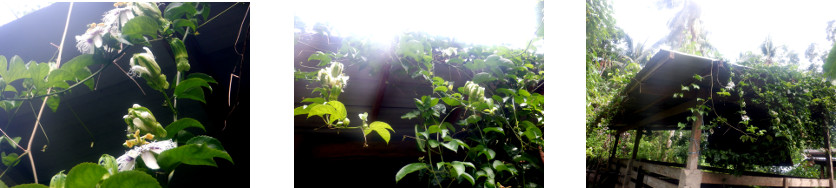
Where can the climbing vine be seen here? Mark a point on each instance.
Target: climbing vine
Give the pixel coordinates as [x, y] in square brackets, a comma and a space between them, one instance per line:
[481, 123]
[154, 150]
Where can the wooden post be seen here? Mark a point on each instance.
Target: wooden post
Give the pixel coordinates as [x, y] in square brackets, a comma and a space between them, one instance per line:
[691, 177]
[635, 151]
[829, 158]
[614, 149]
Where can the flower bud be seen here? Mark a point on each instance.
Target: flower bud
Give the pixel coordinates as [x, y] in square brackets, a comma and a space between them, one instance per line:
[141, 119]
[336, 69]
[109, 162]
[60, 179]
[149, 9]
[144, 65]
[180, 54]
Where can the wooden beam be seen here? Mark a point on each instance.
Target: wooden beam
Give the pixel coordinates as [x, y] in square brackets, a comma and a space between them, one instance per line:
[829, 154]
[641, 78]
[656, 182]
[661, 115]
[728, 179]
[691, 176]
[614, 147]
[667, 171]
[636, 144]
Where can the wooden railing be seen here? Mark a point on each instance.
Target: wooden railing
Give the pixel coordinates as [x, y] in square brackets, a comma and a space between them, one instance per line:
[656, 175]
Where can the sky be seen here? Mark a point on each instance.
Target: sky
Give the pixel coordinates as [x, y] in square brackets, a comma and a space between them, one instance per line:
[480, 22]
[737, 26]
[12, 10]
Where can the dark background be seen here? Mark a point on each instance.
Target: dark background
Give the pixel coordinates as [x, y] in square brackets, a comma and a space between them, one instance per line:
[212, 52]
[327, 158]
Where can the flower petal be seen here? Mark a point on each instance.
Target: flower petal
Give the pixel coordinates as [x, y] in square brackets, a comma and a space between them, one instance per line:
[149, 160]
[127, 161]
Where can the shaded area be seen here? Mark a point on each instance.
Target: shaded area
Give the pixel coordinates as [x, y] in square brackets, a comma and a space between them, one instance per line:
[212, 52]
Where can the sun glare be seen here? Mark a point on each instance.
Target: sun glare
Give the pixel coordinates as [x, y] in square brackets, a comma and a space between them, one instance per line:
[479, 22]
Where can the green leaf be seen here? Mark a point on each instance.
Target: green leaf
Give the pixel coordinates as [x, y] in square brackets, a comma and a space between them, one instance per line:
[493, 129]
[181, 124]
[320, 110]
[58, 180]
[409, 169]
[408, 115]
[451, 145]
[469, 178]
[301, 110]
[473, 119]
[323, 59]
[433, 129]
[78, 67]
[190, 154]
[16, 70]
[131, 178]
[11, 159]
[381, 129]
[507, 92]
[191, 89]
[451, 101]
[458, 168]
[30, 185]
[140, 26]
[316, 100]
[482, 77]
[53, 102]
[339, 111]
[433, 143]
[204, 11]
[524, 93]
[58, 78]
[499, 166]
[85, 175]
[488, 152]
[208, 141]
[16, 140]
[496, 60]
[177, 10]
[440, 89]
[202, 76]
[8, 106]
[420, 136]
[180, 23]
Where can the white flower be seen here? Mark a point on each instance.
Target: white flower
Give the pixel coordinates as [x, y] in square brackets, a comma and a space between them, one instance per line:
[136, 106]
[730, 85]
[92, 39]
[745, 118]
[118, 16]
[128, 160]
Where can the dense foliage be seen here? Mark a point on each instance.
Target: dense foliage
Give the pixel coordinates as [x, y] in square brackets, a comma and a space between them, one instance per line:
[153, 150]
[797, 99]
[492, 112]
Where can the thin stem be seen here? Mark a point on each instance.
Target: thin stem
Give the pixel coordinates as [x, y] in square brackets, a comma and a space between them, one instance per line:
[213, 17]
[18, 158]
[128, 75]
[64, 90]
[170, 106]
[10, 140]
[38, 120]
